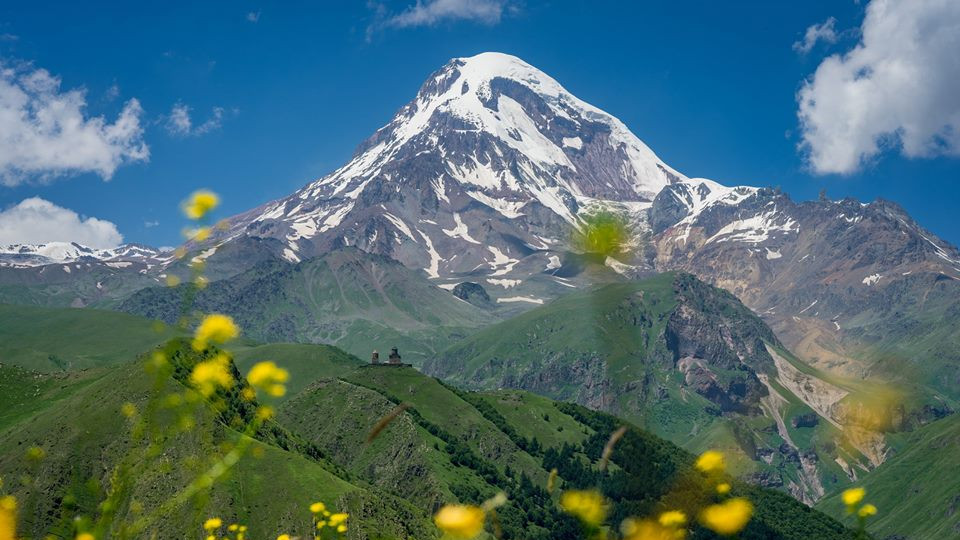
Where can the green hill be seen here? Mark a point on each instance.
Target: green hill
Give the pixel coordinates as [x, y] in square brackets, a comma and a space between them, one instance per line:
[450, 445]
[355, 300]
[56, 339]
[915, 490]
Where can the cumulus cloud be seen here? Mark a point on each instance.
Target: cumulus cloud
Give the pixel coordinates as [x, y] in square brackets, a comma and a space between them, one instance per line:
[432, 12]
[45, 133]
[38, 221]
[897, 89]
[825, 31]
[180, 123]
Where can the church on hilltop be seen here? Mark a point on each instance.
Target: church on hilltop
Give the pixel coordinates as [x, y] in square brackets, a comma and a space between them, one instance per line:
[394, 359]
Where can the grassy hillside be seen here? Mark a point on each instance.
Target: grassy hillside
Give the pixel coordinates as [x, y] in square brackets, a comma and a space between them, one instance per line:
[84, 436]
[57, 339]
[923, 474]
[357, 301]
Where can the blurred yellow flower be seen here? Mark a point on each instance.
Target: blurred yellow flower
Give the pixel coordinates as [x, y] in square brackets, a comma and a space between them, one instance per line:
[317, 507]
[199, 235]
[852, 497]
[214, 328]
[727, 518]
[723, 488]
[673, 518]
[647, 529]
[711, 461]
[212, 374]
[8, 518]
[460, 521]
[283, 537]
[867, 510]
[212, 524]
[200, 203]
[128, 409]
[588, 506]
[35, 453]
[268, 377]
[172, 280]
[265, 412]
[338, 521]
[85, 536]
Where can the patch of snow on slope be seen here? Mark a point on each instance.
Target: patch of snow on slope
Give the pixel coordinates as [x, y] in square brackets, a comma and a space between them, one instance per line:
[289, 255]
[572, 142]
[400, 225]
[501, 263]
[773, 253]
[520, 299]
[508, 209]
[553, 263]
[459, 230]
[434, 269]
[755, 229]
[505, 283]
[871, 280]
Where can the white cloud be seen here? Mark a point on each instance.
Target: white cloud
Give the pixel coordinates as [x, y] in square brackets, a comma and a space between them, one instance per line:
[899, 88]
[253, 16]
[431, 12]
[44, 132]
[825, 31]
[38, 221]
[180, 123]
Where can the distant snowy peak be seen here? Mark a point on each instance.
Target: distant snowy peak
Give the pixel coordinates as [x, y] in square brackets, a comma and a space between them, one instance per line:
[64, 252]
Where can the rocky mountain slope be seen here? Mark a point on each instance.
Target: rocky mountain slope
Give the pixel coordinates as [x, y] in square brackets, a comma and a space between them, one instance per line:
[687, 361]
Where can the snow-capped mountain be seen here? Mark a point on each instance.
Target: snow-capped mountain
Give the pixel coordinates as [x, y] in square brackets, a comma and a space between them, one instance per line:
[483, 175]
[65, 252]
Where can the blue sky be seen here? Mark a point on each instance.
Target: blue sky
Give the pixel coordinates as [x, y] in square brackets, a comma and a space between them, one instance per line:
[281, 93]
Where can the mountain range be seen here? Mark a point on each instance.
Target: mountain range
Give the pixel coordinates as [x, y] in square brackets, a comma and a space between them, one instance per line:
[732, 316]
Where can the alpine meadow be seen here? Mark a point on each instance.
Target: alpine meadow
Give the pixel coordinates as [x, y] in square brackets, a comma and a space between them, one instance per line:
[502, 315]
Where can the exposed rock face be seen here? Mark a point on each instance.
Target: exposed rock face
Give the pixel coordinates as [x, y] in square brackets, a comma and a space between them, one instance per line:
[805, 420]
[473, 293]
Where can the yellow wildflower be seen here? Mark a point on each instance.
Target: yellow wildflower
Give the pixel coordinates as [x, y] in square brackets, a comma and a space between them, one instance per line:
[85, 536]
[172, 280]
[212, 524]
[552, 480]
[647, 529]
[673, 518]
[215, 328]
[200, 203]
[128, 409]
[727, 518]
[199, 235]
[209, 375]
[460, 521]
[233, 527]
[268, 377]
[8, 518]
[339, 521]
[265, 412]
[723, 488]
[317, 507]
[283, 537]
[867, 510]
[35, 453]
[589, 506]
[852, 498]
[711, 461]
